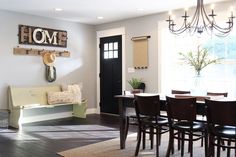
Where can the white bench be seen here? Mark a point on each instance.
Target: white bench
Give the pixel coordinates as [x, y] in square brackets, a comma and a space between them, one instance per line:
[27, 100]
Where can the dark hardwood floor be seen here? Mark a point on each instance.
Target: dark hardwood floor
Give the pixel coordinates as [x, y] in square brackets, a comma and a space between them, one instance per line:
[45, 139]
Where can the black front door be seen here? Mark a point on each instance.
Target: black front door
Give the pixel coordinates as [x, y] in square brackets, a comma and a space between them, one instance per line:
[110, 73]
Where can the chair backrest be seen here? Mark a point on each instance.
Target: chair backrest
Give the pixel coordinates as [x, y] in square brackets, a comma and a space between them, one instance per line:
[142, 86]
[225, 94]
[180, 92]
[221, 112]
[181, 108]
[148, 105]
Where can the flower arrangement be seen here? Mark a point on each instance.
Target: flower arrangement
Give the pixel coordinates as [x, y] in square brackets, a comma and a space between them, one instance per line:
[200, 59]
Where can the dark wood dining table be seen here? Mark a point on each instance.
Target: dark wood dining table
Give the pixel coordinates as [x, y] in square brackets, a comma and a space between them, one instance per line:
[126, 100]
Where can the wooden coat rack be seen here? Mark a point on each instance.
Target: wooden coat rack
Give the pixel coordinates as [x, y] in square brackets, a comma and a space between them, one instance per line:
[36, 52]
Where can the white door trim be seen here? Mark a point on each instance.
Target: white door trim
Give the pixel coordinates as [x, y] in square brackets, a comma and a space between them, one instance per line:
[107, 33]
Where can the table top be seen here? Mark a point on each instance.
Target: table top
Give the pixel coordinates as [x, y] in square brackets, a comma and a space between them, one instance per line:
[163, 96]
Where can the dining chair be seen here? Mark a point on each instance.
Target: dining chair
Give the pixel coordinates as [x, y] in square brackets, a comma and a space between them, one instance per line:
[221, 122]
[179, 92]
[131, 118]
[225, 94]
[148, 106]
[181, 113]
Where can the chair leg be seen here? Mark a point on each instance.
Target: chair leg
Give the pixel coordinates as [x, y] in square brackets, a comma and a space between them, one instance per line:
[191, 143]
[182, 143]
[218, 146]
[157, 140]
[178, 141]
[144, 138]
[159, 130]
[126, 127]
[173, 148]
[151, 136]
[206, 143]
[228, 150]
[235, 148]
[223, 143]
[202, 140]
[139, 141]
[170, 144]
[211, 146]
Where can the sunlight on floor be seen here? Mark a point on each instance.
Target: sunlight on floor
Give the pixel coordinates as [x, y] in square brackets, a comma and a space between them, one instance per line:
[60, 132]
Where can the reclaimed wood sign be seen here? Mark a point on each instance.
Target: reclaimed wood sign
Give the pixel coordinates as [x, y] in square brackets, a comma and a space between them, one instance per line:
[31, 35]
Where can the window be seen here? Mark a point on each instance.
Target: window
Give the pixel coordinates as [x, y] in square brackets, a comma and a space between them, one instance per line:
[216, 77]
[111, 50]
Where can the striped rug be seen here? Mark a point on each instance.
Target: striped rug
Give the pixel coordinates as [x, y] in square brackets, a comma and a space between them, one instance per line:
[110, 148]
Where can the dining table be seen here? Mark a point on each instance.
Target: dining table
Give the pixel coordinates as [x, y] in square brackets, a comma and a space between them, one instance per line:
[126, 100]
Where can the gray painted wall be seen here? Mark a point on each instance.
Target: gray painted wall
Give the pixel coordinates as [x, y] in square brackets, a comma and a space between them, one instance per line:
[148, 25]
[81, 66]
[29, 70]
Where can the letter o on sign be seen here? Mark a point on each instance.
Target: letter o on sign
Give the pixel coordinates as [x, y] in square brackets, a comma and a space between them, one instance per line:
[39, 41]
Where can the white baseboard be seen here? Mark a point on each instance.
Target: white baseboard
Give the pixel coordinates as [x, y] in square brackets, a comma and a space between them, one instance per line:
[91, 111]
[46, 117]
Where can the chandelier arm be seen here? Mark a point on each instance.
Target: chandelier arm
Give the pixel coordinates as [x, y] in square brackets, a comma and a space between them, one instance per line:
[180, 30]
[207, 23]
[176, 31]
[213, 25]
[222, 30]
[195, 20]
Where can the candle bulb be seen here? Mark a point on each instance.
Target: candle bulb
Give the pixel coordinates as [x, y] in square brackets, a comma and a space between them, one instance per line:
[212, 6]
[173, 17]
[212, 9]
[232, 11]
[185, 12]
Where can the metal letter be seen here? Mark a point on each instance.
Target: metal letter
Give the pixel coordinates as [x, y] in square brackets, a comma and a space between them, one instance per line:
[35, 36]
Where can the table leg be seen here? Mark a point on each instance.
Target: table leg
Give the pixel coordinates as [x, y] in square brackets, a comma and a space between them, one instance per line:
[122, 112]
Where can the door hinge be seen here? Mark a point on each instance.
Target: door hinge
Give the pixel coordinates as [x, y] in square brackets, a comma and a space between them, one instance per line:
[99, 45]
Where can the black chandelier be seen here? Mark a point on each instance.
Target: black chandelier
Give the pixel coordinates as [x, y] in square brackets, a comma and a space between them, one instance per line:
[201, 22]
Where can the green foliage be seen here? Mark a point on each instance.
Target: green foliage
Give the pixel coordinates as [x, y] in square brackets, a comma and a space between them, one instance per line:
[200, 59]
[135, 83]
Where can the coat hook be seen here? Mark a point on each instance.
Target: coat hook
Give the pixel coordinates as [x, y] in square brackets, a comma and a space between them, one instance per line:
[27, 51]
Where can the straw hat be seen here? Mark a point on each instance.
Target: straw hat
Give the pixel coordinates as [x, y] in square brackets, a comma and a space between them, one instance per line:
[49, 58]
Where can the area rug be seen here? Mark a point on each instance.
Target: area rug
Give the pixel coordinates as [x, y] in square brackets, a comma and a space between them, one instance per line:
[110, 148]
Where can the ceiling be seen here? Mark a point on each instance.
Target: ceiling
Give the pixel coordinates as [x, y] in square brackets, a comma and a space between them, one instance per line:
[87, 11]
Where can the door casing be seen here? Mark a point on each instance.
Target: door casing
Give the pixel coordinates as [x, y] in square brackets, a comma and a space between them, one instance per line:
[107, 33]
